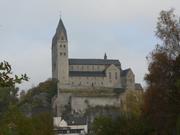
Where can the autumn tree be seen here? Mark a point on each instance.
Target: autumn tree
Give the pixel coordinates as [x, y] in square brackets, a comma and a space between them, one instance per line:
[162, 99]
[133, 103]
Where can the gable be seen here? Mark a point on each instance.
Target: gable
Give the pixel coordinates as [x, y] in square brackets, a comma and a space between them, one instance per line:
[112, 67]
[126, 72]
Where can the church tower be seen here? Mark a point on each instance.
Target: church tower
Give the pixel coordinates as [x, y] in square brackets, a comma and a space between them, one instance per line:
[60, 63]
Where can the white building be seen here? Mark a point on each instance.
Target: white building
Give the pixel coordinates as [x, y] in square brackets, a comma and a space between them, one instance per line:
[71, 126]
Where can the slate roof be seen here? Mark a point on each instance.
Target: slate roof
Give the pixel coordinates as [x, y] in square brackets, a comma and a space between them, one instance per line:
[60, 28]
[74, 120]
[94, 62]
[86, 74]
[125, 72]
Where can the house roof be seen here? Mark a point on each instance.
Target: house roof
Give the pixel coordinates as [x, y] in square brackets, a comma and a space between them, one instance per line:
[86, 74]
[94, 62]
[73, 120]
[125, 72]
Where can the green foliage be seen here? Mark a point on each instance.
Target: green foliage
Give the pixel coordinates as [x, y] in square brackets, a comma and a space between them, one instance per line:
[124, 125]
[15, 122]
[178, 125]
[103, 126]
[6, 77]
[12, 120]
[8, 96]
[43, 124]
[49, 87]
[134, 102]
[39, 98]
[8, 92]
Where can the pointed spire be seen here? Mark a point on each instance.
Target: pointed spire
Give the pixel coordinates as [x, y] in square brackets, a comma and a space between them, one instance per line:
[61, 29]
[105, 56]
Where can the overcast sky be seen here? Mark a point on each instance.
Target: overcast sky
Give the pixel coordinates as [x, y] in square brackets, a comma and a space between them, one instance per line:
[124, 29]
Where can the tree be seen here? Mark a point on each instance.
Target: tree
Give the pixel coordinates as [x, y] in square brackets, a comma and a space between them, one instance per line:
[39, 99]
[8, 92]
[134, 102]
[6, 77]
[124, 125]
[168, 31]
[162, 98]
[14, 122]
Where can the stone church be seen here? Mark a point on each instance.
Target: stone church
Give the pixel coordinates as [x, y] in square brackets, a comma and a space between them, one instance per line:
[86, 75]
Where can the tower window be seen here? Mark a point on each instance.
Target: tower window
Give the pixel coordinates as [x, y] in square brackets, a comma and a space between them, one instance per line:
[61, 54]
[64, 46]
[64, 54]
[62, 38]
[60, 45]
